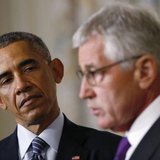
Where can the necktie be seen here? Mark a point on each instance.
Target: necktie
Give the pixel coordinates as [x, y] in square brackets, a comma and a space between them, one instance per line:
[122, 149]
[38, 146]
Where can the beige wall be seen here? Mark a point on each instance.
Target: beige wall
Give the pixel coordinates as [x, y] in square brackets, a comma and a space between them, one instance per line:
[55, 22]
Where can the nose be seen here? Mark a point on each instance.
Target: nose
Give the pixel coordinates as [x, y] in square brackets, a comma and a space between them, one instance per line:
[22, 84]
[86, 90]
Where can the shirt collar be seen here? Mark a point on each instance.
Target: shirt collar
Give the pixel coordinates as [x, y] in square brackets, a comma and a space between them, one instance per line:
[50, 135]
[144, 122]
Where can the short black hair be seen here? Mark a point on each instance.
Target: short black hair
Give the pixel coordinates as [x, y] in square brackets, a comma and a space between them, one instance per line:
[34, 41]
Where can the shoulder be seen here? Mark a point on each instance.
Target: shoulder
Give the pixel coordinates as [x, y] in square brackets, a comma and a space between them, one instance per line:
[98, 144]
[5, 141]
[8, 141]
[97, 137]
[9, 145]
[93, 136]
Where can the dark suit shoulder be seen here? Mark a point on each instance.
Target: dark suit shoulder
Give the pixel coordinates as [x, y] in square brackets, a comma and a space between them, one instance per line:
[6, 142]
[87, 142]
[9, 147]
[92, 134]
[98, 138]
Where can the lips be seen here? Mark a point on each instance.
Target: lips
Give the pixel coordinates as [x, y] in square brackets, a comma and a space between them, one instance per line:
[28, 99]
[95, 111]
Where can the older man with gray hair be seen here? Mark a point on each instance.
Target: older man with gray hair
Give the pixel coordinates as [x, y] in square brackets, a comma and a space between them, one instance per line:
[119, 60]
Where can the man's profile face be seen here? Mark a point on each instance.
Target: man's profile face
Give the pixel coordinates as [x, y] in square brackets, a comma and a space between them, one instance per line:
[114, 100]
[27, 84]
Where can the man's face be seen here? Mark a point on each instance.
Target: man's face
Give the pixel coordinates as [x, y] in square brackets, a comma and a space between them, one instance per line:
[115, 101]
[27, 84]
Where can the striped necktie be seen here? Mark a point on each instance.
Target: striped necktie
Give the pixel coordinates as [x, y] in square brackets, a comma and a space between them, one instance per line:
[38, 146]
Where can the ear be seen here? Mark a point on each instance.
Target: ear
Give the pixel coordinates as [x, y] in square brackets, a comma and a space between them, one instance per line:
[58, 69]
[3, 105]
[146, 70]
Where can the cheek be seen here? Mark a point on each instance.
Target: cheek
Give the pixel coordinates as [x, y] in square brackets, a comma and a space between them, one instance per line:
[7, 95]
[47, 86]
[111, 96]
[106, 100]
[108, 91]
[121, 99]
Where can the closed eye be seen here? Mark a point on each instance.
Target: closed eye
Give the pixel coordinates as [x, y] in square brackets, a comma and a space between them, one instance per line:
[29, 68]
[6, 80]
[28, 65]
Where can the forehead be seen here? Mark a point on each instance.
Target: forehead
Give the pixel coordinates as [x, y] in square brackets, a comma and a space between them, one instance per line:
[16, 52]
[92, 52]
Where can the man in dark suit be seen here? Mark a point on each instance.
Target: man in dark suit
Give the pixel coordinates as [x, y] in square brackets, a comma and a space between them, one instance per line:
[119, 59]
[28, 80]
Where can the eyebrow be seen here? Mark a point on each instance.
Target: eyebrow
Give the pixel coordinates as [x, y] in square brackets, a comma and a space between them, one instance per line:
[26, 62]
[20, 65]
[88, 67]
[4, 74]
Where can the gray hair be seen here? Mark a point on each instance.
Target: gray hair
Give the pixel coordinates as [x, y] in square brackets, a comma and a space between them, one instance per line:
[34, 42]
[127, 30]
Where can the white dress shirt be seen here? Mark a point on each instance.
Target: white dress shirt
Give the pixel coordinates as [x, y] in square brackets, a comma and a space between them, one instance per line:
[142, 124]
[51, 135]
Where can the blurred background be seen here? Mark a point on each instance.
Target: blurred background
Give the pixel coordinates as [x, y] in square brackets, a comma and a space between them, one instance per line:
[55, 21]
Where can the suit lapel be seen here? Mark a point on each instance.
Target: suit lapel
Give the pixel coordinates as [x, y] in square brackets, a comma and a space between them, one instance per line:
[149, 143]
[71, 142]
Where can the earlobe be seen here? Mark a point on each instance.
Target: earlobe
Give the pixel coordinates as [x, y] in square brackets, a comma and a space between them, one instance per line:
[58, 69]
[3, 105]
[146, 71]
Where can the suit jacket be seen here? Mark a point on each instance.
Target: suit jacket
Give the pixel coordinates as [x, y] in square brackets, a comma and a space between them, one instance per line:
[149, 147]
[87, 143]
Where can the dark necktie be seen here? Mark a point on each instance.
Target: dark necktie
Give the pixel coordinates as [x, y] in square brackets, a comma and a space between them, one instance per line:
[38, 146]
[122, 149]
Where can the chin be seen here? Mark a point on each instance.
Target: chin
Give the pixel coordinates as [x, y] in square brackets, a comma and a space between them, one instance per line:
[36, 120]
[103, 124]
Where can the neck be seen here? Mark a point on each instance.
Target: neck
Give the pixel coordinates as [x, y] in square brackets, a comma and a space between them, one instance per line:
[42, 124]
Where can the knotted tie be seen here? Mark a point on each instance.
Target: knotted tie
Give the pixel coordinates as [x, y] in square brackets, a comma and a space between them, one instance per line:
[122, 149]
[38, 145]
